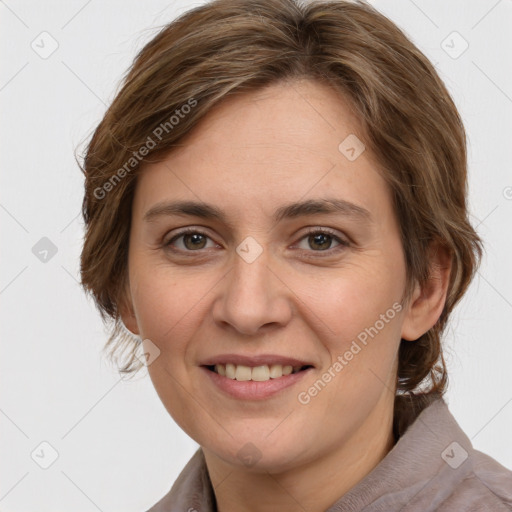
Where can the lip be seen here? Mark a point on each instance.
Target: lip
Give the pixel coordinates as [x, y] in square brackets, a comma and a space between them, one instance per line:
[253, 390]
[258, 360]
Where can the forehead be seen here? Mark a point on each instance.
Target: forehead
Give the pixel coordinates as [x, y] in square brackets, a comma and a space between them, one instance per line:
[289, 118]
[275, 145]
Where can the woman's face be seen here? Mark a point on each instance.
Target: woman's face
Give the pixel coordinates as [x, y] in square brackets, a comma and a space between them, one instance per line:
[293, 259]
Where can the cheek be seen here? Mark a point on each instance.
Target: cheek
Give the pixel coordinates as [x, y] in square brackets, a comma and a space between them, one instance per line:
[352, 298]
[358, 314]
[160, 304]
[170, 305]
[359, 332]
[168, 310]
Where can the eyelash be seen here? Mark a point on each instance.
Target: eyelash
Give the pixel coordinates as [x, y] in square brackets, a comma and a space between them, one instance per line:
[313, 231]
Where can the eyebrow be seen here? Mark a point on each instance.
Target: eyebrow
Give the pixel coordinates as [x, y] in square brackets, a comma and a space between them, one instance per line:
[288, 211]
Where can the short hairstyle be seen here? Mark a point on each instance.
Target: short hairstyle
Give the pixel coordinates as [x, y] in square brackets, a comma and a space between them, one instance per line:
[227, 47]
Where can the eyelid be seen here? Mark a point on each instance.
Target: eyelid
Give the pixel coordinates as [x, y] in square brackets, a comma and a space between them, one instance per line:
[200, 230]
[327, 231]
[343, 240]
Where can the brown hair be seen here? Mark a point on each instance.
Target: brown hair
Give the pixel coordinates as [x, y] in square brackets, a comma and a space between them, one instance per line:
[225, 47]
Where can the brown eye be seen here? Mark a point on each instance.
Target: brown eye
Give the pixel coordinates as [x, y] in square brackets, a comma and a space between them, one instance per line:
[188, 241]
[320, 240]
[194, 241]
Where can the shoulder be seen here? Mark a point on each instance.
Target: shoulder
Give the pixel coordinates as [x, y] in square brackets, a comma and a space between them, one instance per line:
[433, 467]
[488, 485]
[466, 479]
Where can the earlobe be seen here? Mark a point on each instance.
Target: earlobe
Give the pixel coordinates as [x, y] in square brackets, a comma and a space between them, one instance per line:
[127, 312]
[427, 301]
[130, 321]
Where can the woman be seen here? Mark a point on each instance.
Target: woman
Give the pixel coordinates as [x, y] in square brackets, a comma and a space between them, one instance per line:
[275, 207]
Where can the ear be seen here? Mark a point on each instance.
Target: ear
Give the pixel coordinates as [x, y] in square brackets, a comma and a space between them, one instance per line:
[126, 310]
[427, 302]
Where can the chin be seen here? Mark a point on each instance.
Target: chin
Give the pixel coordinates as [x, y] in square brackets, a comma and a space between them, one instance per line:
[259, 454]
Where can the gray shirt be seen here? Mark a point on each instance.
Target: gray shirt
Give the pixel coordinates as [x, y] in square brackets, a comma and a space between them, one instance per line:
[432, 467]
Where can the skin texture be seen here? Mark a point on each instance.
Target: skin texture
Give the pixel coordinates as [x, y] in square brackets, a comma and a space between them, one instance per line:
[252, 154]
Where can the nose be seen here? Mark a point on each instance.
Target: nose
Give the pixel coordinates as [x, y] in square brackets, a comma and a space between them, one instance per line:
[253, 297]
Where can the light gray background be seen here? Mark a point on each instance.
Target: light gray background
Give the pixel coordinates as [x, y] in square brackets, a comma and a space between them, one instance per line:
[117, 447]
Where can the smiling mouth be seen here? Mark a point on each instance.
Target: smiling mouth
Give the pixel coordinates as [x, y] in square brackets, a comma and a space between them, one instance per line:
[260, 373]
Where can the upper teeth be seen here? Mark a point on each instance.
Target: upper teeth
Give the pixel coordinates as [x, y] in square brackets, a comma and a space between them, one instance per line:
[258, 373]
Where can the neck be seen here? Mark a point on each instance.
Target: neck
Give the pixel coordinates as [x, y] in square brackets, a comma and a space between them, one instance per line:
[313, 486]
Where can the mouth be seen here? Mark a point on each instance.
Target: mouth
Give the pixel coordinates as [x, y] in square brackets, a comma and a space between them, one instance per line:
[259, 373]
[254, 377]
